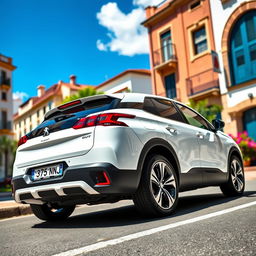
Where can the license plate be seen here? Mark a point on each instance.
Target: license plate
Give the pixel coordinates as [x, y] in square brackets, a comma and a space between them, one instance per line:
[47, 172]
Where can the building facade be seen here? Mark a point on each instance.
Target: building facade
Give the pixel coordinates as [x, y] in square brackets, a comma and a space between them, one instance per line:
[234, 26]
[181, 50]
[6, 105]
[31, 113]
[131, 80]
[193, 44]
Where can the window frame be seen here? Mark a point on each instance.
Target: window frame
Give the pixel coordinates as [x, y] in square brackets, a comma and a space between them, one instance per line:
[196, 44]
[240, 27]
[6, 97]
[182, 120]
[191, 29]
[191, 9]
[210, 127]
[4, 125]
[166, 91]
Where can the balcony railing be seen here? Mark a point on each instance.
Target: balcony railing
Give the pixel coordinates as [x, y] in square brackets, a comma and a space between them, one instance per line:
[6, 125]
[6, 81]
[164, 55]
[202, 82]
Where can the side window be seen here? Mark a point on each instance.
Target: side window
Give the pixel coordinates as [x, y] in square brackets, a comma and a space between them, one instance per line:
[193, 118]
[163, 108]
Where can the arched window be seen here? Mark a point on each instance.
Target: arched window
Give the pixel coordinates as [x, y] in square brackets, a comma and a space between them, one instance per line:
[243, 49]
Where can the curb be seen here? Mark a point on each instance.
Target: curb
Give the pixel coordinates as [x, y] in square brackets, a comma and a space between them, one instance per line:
[11, 211]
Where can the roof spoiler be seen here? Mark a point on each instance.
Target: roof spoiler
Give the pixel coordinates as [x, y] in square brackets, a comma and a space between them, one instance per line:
[80, 102]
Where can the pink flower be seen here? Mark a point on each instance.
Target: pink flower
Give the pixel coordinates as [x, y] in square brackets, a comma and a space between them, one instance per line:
[250, 144]
[245, 133]
[238, 140]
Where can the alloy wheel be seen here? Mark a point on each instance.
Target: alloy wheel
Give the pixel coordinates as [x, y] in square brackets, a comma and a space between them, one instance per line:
[163, 185]
[237, 175]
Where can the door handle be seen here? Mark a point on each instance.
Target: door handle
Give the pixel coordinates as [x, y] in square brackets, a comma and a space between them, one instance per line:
[200, 135]
[171, 130]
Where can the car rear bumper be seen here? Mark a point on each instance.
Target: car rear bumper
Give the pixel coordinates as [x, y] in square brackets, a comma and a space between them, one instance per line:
[77, 184]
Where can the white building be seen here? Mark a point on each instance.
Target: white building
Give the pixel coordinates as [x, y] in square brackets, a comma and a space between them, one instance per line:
[234, 27]
[131, 80]
[6, 68]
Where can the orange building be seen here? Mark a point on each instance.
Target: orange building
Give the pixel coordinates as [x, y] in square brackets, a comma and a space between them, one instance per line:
[182, 50]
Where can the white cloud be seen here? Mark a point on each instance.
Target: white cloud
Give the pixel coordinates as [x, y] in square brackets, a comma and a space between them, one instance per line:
[145, 3]
[101, 46]
[19, 95]
[127, 35]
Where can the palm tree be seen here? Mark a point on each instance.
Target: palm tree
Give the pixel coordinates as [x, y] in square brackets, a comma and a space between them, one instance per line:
[82, 93]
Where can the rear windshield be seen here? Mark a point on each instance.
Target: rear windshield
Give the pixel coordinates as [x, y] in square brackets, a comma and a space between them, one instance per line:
[65, 119]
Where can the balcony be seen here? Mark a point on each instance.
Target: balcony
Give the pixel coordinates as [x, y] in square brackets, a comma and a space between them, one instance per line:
[5, 83]
[203, 84]
[6, 125]
[165, 58]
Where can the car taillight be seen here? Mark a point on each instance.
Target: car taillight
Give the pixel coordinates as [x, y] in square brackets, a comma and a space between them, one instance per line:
[85, 122]
[22, 140]
[112, 119]
[109, 119]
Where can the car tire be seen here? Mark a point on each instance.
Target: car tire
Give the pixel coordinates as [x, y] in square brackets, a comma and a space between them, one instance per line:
[236, 182]
[45, 212]
[157, 194]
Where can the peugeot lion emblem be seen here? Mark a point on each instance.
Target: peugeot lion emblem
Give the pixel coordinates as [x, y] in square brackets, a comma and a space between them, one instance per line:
[46, 131]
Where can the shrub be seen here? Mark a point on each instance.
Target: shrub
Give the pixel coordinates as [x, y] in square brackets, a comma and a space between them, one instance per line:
[246, 144]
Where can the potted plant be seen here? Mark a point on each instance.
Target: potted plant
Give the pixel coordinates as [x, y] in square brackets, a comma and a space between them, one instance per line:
[247, 146]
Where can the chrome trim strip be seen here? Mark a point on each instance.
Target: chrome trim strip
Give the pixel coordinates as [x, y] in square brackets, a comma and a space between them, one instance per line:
[58, 187]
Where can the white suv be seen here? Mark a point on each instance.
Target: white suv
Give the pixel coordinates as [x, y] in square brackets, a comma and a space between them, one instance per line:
[106, 148]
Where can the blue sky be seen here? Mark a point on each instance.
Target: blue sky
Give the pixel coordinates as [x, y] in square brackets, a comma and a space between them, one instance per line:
[51, 39]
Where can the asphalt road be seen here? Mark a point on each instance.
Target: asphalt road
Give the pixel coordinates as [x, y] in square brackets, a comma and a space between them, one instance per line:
[190, 231]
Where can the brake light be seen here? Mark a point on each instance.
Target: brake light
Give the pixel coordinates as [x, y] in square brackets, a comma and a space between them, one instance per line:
[112, 119]
[86, 122]
[109, 119]
[22, 140]
[69, 104]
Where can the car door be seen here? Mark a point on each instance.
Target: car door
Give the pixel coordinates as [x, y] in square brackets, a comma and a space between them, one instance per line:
[212, 155]
[179, 135]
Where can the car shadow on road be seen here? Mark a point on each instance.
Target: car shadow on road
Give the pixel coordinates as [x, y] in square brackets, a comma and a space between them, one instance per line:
[128, 215]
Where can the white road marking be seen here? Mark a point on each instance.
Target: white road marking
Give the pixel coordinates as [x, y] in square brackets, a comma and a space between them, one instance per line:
[103, 244]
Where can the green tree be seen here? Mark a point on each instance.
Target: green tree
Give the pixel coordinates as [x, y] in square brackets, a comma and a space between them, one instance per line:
[81, 94]
[209, 112]
[7, 149]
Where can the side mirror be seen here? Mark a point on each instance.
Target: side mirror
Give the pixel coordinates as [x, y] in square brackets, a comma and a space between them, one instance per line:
[218, 124]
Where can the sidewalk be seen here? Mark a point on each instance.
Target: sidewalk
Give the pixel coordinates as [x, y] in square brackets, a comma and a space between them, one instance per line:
[10, 208]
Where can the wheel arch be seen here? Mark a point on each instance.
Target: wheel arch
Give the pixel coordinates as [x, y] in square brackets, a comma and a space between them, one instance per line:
[161, 147]
[234, 152]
